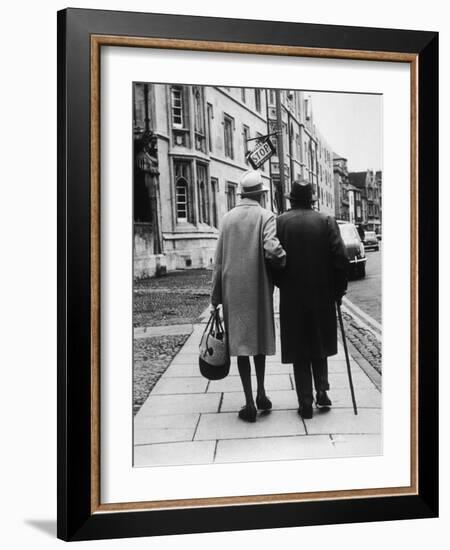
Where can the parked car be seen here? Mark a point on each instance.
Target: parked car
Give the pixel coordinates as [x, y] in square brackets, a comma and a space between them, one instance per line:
[354, 248]
[371, 241]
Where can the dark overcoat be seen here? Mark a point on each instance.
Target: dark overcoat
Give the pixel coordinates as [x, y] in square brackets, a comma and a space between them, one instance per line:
[314, 277]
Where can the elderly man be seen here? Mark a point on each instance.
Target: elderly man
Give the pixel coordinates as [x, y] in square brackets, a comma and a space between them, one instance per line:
[313, 280]
[242, 283]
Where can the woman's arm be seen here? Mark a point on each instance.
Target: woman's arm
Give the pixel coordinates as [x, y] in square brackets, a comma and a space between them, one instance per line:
[273, 251]
[216, 292]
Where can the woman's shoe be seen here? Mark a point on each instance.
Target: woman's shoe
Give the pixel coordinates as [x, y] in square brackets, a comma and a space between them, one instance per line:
[263, 403]
[248, 413]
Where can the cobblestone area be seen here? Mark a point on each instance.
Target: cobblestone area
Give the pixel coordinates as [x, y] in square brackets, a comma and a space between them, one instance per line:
[152, 356]
[364, 341]
[168, 308]
[197, 279]
[173, 299]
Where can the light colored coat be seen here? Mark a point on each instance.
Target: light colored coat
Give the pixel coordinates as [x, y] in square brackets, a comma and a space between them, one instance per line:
[242, 282]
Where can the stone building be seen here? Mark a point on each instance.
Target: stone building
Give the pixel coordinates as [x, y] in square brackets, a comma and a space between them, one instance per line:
[341, 188]
[355, 205]
[306, 153]
[370, 185]
[325, 178]
[190, 150]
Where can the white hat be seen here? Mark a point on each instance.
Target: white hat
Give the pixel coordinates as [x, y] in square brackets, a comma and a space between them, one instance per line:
[251, 183]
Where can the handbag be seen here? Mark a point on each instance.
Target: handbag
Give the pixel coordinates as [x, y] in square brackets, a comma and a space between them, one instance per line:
[214, 357]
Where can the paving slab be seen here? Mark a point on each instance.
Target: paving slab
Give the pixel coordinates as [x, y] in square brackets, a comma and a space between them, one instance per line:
[339, 380]
[181, 368]
[340, 365]
[274, 448]
[183, 358]
[170, 386]
[233, 383]
[180, 403]
[170, 330]
[358, 445]
[165, 428]
[368, 397]
[281, 399]
[344, 421]
[172, 454]
[229, 426]
[287, 399]
[193, 369]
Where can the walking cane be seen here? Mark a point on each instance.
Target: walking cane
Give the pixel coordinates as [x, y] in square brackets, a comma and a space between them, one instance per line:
[355, 410]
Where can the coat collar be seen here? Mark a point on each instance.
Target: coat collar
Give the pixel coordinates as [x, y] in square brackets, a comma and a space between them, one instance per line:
[248, 202]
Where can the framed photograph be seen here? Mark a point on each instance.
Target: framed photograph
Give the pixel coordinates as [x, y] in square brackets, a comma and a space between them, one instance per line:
[247, 255]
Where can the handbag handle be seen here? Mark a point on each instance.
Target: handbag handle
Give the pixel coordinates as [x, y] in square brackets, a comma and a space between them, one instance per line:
[209, 326]
[214, 323]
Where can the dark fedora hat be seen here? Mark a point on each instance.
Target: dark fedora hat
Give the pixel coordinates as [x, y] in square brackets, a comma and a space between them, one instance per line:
[301, 191]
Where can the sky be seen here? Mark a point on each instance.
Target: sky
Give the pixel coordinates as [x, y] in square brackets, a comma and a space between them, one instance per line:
[352, 126]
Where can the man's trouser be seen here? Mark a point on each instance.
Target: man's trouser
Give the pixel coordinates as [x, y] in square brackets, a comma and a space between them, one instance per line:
[303, 378]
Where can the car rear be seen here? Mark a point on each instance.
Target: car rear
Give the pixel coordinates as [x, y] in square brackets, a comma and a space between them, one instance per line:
[371, 241]
[354, 248]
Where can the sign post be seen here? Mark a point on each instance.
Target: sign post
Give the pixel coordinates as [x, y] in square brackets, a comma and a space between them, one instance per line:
[263, 151]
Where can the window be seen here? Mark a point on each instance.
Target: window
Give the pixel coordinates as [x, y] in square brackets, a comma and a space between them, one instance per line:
[198, 111]
[258, 100]
[182, 200]
[177, 107]
[214, 191]
[231, 195]
[243, 95]
[245, 137]
[202, 195]
[271, 97]
[182, 178]
[228, 124]
[307, 108]
[210, 116]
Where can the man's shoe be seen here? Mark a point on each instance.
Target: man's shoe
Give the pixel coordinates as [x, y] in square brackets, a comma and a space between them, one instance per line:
[322, 400]
[305, 411]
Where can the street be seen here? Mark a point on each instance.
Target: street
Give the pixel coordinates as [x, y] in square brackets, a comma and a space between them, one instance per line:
[366, 293]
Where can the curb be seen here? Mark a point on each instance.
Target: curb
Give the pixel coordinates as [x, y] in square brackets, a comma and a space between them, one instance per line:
[371, 372]
[365, 321]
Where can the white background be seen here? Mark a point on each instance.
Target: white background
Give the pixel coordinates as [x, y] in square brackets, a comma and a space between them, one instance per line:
[28, 275]
[122, 483]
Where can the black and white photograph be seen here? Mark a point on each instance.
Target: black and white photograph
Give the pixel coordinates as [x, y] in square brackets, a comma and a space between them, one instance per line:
[257, 274]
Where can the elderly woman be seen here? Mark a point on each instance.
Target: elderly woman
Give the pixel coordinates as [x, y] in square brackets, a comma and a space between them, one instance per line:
[243, 285]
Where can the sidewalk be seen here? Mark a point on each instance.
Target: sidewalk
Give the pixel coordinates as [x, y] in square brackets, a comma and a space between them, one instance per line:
[189, 420]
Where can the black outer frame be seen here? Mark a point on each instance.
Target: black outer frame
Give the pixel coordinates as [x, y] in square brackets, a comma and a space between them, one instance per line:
[75, 521]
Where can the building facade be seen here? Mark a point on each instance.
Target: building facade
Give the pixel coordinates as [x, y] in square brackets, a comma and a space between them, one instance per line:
[306, 153]
[341, 188]
[355, 205]
[190, 150]
[369, 184]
